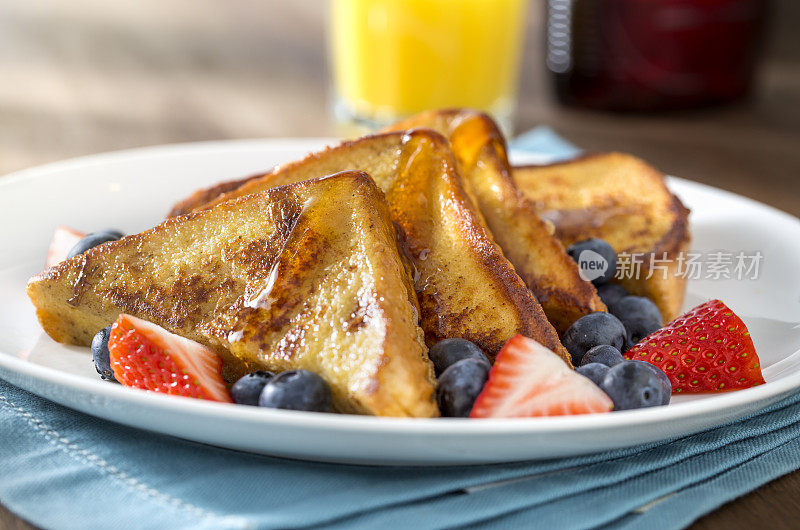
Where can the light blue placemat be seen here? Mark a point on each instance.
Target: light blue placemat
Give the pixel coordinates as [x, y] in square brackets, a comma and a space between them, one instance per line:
[62, 469]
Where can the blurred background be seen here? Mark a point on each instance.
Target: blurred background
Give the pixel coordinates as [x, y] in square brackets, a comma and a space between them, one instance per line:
[87, 76]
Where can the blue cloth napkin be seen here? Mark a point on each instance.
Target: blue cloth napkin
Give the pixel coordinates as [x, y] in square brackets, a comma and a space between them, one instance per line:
[63, 469]
[542, 140]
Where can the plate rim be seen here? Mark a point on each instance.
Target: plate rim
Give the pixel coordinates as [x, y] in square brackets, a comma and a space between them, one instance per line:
[728, 401]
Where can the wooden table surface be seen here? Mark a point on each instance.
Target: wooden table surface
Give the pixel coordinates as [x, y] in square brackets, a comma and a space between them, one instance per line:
[88, 76]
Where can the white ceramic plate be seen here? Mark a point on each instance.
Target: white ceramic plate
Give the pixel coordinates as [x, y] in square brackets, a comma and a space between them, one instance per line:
[132, 190]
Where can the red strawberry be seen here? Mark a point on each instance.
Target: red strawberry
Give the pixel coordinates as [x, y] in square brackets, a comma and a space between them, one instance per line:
[706, 350]
[529, 380]
[64, 238]
[149, 357]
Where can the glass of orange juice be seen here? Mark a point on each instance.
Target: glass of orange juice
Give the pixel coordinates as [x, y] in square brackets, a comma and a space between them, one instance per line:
[394, 58]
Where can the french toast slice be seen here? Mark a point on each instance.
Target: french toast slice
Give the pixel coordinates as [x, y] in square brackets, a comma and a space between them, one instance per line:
[624, 200]
[538, 257]
[304, 276]
[465, 285]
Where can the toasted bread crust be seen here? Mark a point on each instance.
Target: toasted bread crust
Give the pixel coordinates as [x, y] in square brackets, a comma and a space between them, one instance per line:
[465, 285]
[304, 276]
[622, 199]
[206, 195]
[538, 257]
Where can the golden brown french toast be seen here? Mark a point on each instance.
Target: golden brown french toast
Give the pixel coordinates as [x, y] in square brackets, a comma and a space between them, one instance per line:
[622, 199]
[304, 276]
[538, 257]
[466, 286]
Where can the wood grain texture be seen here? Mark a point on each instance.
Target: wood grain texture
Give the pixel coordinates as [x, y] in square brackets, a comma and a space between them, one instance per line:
[88, 76]
[9, 521]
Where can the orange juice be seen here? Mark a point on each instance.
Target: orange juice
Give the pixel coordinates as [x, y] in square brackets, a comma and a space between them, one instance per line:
[393, 58]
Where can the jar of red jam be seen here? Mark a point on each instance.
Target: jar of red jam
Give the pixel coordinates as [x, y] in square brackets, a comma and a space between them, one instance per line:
[653, 54]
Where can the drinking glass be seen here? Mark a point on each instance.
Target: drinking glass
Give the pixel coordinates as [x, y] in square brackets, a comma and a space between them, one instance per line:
[394, 58]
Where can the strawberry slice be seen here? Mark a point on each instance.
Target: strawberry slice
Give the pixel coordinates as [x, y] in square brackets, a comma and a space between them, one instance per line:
[144, 355]
[64, 238]
[529, 380]
[706, 350]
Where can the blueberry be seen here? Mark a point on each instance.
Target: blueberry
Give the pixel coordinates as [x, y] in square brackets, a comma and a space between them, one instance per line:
[593, 330]
[92, 240]
[296, 390]
[635, 385]
[665, 382]
[639, 315]
[594, 371]
[635, 306]
[610, 293]
[603, 354]
[449, 351]
[460, 385]
[596, 259]
[248, 388]
[100, 355]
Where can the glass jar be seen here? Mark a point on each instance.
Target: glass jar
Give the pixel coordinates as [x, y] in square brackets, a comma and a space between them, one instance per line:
[653, 54]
